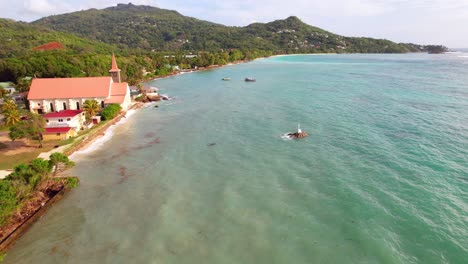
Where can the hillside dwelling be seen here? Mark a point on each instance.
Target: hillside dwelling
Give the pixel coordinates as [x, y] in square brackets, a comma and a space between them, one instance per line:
[48, 95]
[134, 91]
[63, 125]
[150, 90]
[20, 98]
[10, 90]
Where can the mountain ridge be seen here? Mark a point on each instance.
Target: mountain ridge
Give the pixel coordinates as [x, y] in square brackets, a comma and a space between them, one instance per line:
[153, 28]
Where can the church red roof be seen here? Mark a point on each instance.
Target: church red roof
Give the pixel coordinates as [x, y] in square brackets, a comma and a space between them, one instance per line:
[118, 92]
[64, 88]
[114, 66]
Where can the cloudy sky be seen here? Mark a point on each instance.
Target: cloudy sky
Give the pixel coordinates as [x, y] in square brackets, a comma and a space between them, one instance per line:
[418, 21]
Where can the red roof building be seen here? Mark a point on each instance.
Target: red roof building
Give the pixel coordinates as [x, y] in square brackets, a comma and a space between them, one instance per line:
[56, 94]
[63, 124]
[51, 130]
[63, 114]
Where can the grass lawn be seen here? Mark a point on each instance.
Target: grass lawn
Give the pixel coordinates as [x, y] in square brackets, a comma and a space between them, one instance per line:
[10, 161]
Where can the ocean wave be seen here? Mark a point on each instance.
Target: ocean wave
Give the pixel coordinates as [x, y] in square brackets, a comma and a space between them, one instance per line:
[99, 142]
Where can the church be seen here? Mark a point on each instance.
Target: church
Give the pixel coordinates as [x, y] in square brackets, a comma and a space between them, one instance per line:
[48, 95]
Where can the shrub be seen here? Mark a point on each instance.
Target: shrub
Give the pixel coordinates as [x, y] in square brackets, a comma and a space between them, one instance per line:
[8, 200]
[110, 111]
[72, 182]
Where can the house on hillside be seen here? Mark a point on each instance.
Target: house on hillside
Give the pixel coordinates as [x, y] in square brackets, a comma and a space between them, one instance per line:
[20, 99]
[8, 87]
[150, 90]
[10, 90]
[56, 94]
[63, 125]
[134, 91]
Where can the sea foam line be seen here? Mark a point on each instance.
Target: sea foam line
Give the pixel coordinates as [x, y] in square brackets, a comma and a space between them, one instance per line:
[99, 142]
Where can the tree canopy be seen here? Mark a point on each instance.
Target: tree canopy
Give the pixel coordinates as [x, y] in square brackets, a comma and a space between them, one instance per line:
[91, 108]
[10, 110]
[32, 128]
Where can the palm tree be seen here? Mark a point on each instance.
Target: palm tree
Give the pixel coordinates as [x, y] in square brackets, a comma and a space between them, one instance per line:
[91, 107]
[9, 105]
[12, 117]
[10, 111]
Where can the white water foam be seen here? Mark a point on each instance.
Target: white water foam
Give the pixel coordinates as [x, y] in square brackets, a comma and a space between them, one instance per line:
[99, 142]
[286, 136]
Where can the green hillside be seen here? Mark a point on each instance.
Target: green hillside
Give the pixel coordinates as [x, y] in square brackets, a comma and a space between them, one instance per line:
[19, 38]
[151, 28]
[149, 41]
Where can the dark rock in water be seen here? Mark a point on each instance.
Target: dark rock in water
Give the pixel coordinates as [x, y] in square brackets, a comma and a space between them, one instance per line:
[156, 106]
[211, 144]
[301, 135]
[296, 135]
[153, 98]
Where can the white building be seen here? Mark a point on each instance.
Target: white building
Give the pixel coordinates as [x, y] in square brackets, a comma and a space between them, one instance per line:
[56, 94]
[63, 124]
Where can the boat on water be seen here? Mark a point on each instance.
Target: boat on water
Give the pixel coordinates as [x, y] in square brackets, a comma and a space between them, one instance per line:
[250, 80]
[226, 79]
[295, 135]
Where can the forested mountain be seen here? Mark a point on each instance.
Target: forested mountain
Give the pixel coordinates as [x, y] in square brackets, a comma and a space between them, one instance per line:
[149, 41]
[151, 28]
[19, 56]
[19, 38]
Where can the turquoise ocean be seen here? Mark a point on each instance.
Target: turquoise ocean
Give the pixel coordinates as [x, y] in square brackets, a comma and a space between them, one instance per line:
[207, 178]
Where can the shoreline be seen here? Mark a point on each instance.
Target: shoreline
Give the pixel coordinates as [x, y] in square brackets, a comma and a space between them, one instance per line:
[88, 140]
[81, 145]
[19, 228]
[211, 67]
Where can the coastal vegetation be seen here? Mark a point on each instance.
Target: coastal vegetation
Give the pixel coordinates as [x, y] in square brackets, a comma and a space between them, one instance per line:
[436, 49]
[91, 108]
[28, 181]
[110, 111]
[26, 191]
[31, 127]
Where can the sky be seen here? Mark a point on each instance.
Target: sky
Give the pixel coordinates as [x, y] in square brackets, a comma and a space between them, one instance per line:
[442, 22]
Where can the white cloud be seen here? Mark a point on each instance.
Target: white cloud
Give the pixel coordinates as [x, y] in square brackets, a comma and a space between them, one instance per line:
[39, 6]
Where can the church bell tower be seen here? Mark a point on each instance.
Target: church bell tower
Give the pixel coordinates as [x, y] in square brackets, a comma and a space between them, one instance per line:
[115, 71]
